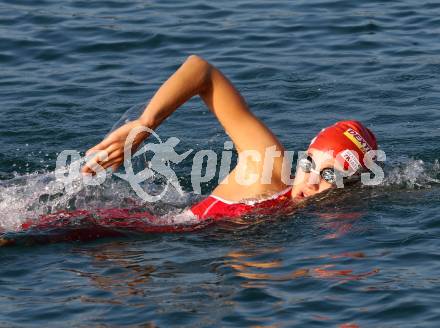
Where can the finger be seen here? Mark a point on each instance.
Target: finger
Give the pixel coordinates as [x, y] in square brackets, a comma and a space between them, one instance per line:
[95, 149]
[114, 167]
[94, 168]
[102, 145]
[92, 150]
[94, 163]
[103, 155]
[114, 151]
[91, 168]
[116, 154]
[107, 142]
[116, 161]
[105, 162]
[87, 170]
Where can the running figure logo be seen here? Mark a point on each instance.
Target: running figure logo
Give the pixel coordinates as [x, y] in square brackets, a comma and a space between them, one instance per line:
[164, 154]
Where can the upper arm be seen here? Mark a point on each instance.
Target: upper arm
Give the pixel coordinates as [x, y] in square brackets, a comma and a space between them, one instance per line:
[245, 130]
[243, 127]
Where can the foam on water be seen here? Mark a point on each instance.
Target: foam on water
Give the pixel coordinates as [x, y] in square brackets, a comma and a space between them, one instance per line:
[413, 173]
[31, 195]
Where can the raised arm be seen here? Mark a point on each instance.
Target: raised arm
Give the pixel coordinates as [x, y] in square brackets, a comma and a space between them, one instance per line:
[196, 77]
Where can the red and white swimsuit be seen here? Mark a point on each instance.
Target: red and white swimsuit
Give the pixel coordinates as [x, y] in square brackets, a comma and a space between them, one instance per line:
[214, 207]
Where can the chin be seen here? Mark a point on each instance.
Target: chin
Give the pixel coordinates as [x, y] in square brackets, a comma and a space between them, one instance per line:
[301, 195]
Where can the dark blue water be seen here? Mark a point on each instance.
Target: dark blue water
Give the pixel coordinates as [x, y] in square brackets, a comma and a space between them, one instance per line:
[70, 70]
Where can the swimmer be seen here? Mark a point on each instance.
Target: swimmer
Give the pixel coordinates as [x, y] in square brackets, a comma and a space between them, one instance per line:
[335, 150]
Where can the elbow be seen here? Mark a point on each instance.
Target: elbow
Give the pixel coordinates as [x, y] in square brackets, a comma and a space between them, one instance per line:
[198, 63]
[197, 60]
[203, 69]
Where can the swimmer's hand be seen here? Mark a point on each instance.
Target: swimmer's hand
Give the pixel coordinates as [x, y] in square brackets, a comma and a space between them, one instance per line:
[109, 153]
[192, 78]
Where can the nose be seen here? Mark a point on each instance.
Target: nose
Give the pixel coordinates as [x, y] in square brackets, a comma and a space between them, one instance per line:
[313, 181]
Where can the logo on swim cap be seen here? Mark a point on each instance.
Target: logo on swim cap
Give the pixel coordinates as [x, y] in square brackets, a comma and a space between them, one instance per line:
[358, 140]
[352, 160]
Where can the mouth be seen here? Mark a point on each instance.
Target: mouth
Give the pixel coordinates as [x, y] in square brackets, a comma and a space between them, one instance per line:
[301, 196]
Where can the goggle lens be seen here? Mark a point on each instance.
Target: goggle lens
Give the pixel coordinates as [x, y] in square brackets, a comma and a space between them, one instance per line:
[329, 175]
[307, 165]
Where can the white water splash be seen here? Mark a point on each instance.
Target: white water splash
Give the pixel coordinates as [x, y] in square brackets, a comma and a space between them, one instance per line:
[31, 195]
[412, 173]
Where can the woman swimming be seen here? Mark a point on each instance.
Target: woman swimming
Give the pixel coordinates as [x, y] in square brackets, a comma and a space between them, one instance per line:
[335, 149]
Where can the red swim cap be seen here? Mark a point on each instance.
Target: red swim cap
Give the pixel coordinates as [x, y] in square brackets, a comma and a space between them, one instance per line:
[346, 139]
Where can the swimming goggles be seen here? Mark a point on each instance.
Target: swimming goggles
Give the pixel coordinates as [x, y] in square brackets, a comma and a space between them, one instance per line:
[329, 174]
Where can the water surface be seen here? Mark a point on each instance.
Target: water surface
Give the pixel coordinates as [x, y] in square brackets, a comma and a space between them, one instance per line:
[369, 257]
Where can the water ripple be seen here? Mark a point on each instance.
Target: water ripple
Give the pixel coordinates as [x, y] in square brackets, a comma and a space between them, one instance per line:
[70, 70]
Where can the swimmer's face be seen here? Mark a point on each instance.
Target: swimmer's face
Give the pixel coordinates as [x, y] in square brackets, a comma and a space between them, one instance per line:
[309, 184]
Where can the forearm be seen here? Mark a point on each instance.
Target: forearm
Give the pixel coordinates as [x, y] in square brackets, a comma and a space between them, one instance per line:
[192, 78]
[189, 80]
